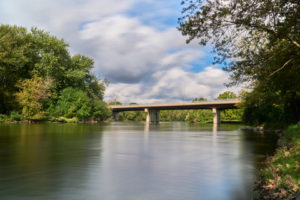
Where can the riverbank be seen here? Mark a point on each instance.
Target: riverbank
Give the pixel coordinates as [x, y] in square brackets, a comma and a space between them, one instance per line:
[9, 120]
[280, 179]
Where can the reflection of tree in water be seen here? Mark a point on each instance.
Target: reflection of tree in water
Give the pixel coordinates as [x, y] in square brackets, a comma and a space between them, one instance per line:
[262, 145]
[255, 147]
[41, 159]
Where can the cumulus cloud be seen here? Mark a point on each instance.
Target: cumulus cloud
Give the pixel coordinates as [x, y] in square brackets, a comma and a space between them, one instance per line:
[128, 51]
[144, 62]
[61, 17]
[173, 85]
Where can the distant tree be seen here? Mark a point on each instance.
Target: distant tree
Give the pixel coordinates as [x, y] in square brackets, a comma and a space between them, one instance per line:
[230, 114]
[227, 95]
[199, 116]
[33, 93]
[114, 103]
[199, 99]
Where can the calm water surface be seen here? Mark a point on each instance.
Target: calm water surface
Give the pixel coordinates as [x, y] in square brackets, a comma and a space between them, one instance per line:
[129, 161]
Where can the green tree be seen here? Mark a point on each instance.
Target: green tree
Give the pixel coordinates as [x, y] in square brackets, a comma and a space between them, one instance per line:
[100, 111]
[258, 42]
[199, 116]
[114, 103]
[33, 93]
[199, 99]
[227, 95]
[230, 114]
[13, 64]
[73, 103]
[30, 54]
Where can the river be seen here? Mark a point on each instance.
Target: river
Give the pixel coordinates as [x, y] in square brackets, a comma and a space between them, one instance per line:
[130, 161]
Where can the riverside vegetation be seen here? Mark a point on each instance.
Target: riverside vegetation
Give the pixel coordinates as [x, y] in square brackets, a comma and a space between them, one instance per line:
[281, 177]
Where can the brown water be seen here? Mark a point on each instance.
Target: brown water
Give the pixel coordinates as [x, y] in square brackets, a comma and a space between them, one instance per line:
[129, 161]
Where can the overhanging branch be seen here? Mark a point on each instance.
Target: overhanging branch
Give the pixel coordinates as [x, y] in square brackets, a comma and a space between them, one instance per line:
[283, 66]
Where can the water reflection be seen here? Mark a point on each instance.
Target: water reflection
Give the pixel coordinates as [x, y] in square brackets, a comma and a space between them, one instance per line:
[129, 161]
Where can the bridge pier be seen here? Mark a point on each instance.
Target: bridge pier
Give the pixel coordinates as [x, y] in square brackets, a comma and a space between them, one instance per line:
[216, 116]
[152, 116]
[115, 115]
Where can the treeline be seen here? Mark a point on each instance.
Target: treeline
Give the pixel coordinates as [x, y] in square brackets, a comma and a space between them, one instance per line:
[39, 79]
[193, 116]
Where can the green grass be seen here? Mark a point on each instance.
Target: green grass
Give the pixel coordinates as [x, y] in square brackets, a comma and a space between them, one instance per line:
[280, 179]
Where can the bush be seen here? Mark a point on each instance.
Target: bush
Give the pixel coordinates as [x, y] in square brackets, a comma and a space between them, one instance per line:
[15, 116]
[73, 103]
[100, 110]
[3, 118]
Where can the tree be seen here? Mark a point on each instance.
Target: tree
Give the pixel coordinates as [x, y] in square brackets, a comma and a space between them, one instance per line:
[73, 103]
[26, 55]
[13, 64]
[199, 99]
[100, 111]
[230, 114]
[257, 41]
[33, 93]
[114, 103]
[227, 95]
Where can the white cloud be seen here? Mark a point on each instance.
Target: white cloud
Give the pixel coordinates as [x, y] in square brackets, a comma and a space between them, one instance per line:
[128, 51]
[143, 63]
[60, 17]
[173, 85]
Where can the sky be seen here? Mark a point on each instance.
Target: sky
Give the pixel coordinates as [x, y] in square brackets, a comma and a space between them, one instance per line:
[135, 45]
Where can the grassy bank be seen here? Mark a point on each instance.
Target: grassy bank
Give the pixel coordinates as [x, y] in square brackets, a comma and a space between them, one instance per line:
[280, 179]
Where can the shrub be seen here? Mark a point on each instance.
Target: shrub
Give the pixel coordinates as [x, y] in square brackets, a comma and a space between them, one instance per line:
[3, 118]
[73, 103]
[15, 116]
[100, 110]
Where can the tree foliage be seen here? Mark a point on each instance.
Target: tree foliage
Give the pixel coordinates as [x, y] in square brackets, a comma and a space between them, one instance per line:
[33, 93]
[73, 103]
[27, 57]
[257, 41]
[230, 114]
[199, 99]
[227, 95]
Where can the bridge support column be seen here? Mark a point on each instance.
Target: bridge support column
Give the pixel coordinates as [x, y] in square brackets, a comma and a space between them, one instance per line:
[115, 115]
[152, 116]
[216, 116]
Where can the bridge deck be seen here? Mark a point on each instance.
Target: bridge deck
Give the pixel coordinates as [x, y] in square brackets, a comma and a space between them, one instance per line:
[222, 104]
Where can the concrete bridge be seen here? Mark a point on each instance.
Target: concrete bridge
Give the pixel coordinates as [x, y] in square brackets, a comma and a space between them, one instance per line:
[154, 109]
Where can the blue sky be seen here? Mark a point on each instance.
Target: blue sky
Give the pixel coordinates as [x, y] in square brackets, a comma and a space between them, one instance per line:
[135, 44]
[159, 14]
